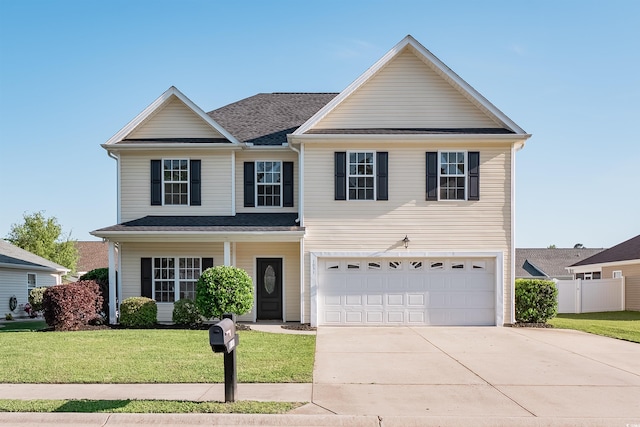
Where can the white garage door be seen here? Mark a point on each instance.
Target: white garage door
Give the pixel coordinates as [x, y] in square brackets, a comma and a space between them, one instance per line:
[411, 291]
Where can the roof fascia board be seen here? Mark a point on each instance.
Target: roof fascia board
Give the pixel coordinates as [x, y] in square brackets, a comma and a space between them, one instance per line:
[591, 267]
[34, 267]
[512, 138]
[170, 146]
[202, 236]
[147, 112]
[431, 58]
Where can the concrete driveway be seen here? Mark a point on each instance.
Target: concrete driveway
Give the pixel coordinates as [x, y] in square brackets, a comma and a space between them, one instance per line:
[483, 372]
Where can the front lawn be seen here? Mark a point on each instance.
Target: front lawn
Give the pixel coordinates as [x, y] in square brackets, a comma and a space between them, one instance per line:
[150, 356]
[623, 325]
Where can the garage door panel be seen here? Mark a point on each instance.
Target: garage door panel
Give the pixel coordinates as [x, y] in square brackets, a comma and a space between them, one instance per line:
[407, 291]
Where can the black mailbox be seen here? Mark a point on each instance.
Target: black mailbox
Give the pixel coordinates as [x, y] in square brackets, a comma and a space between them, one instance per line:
[222, 336]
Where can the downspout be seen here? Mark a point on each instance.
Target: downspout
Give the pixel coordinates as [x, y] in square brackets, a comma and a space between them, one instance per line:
[115, 289]
[301, 222]
[117, 159]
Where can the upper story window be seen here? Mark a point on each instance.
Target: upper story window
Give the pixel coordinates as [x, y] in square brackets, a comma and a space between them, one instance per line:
[176, 181]
[361, 175]
[269, 183]
[453, 175]
[31, 280]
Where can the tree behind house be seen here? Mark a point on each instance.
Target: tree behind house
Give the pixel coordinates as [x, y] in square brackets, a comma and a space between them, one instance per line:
[42, 236]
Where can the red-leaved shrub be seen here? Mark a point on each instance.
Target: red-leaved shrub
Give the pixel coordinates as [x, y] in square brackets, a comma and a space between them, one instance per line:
[71, 306]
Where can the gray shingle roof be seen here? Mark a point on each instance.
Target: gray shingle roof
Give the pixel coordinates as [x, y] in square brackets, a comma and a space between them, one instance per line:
[267, 118]
[552, 263]
[240, 222]
[11, 254]
[625, 251]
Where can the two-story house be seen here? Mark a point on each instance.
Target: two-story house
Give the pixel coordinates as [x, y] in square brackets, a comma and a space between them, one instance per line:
[389, 203]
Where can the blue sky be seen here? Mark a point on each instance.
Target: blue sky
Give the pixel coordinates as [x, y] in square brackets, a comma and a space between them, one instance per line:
[73, 73]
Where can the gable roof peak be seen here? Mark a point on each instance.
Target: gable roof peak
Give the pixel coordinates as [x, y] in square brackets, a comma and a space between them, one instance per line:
[438, 66]
[156, 105]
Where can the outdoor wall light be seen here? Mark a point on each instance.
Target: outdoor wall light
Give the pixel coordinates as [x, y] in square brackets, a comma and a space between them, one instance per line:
[406, 241]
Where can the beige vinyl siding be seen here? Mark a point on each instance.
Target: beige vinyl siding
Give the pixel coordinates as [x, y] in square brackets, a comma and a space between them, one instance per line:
[252, 156]
[133, 252]
[174, 120]
[406, 93]
[14, 282]
[631, 274]
[135, 191]
[380, 226]
[246, 255]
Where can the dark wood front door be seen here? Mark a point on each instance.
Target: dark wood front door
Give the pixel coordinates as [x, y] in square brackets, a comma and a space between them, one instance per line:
[269, 292]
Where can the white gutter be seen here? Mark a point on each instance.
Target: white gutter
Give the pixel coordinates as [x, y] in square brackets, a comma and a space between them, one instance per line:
[415, 137]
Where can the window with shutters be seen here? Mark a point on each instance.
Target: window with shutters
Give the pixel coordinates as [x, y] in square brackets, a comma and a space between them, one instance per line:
[175, 177]
[269, 183]
[453, 175]
[361, 175]
[175, 278]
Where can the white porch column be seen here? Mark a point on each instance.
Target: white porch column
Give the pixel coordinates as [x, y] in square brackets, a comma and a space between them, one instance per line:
[112, 283]
[227, 253]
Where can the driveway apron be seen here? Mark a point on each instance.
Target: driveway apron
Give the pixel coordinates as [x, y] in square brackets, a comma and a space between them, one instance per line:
[475, 372]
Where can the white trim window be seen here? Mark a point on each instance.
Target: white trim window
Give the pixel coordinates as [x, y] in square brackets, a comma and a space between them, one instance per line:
[452, 178]
[175, 181]
[32, 281]
[361, 175]
[269, 183]
[175, 278]
[616, 274]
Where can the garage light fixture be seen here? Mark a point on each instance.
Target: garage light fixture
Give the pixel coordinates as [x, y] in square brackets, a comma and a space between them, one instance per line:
[406, 241]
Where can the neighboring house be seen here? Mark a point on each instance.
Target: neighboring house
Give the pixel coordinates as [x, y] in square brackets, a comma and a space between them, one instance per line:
[21, 271]
[390, 202]
[549, 263]
[92, 255]
[622, 260]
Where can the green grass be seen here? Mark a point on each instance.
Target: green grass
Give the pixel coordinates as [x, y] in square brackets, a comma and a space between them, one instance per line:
[623, 325]
[147, 406]
[23, 325]
[150, 356]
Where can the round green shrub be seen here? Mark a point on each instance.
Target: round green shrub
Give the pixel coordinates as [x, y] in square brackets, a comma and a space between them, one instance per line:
[35, 298]
[185, 312]
[536, 300]
[224, 289]
[138, 312]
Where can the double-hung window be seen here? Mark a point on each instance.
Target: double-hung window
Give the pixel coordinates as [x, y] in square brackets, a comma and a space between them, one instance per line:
[175, 278]
[361, 175]
[175, 182]
[269, 183]
[31, 281]
[453, 175]
[361, 179]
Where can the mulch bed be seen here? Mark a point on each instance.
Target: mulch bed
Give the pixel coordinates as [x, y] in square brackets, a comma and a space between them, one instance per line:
[531, 325]
[299, 327]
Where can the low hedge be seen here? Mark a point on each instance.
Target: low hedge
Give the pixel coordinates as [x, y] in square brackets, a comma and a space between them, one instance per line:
[138, 312]
[536, 300]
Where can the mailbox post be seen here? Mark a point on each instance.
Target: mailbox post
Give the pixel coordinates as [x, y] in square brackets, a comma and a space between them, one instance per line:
[223, 339]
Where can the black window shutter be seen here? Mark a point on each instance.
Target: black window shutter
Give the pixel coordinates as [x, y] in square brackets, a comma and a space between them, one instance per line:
[287, 184]
[249, 185]
[146, 285]
[156, 182]
[194, 171]
[432, 175]
[382, 173]
[207, 263]
[341, 175]
[474, 175]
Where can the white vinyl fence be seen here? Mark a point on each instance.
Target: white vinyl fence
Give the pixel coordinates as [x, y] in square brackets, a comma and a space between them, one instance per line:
[589, 296]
